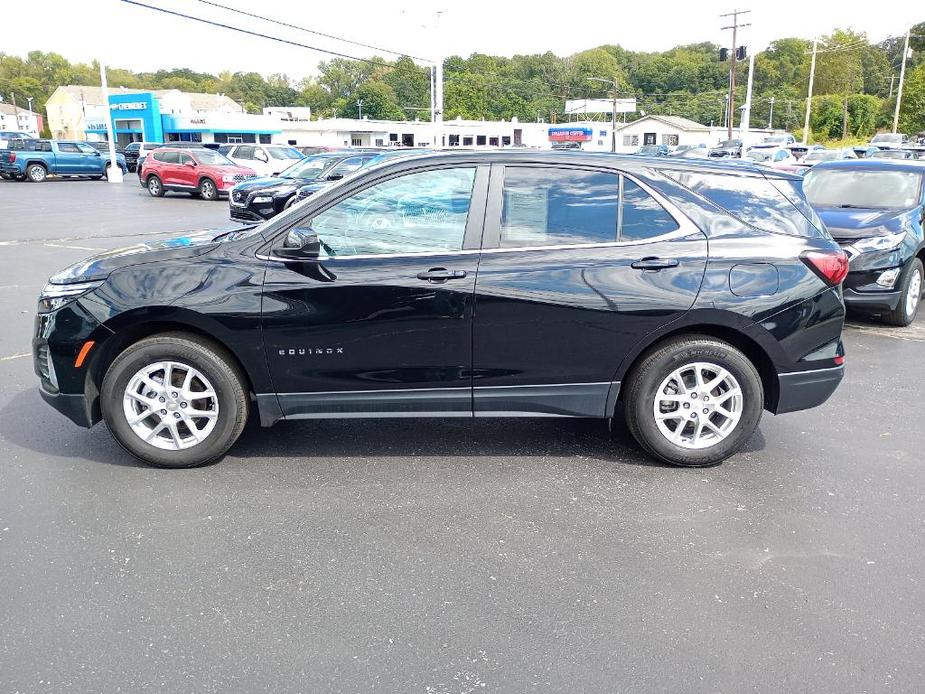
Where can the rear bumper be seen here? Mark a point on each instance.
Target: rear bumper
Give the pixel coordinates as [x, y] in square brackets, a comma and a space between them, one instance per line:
[74, 407]
[872, 301]
[803, 390]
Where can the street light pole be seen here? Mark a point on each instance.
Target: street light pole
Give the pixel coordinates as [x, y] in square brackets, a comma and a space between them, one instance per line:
[771, 115]
[902, 76]
[809, 93]
[360, 109]
[115, 172]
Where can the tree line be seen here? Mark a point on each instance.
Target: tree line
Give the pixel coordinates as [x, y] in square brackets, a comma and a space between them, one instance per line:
[856, 81]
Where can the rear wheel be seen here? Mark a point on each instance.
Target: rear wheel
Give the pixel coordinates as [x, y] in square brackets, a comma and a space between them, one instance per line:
[155, 187]
[207, 189]
[693, 401]
[174, 400]
[36, 173]
[910, 295]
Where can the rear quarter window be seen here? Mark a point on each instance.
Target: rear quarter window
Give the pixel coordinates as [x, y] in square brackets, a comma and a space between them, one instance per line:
[773, 205]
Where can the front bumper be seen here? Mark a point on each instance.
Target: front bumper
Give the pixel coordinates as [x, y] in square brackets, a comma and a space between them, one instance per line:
[873, 302]
[803, 390]
[74, 407]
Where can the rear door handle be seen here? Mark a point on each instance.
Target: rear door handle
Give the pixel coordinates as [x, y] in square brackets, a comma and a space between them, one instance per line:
[654, 264]
[441, 274]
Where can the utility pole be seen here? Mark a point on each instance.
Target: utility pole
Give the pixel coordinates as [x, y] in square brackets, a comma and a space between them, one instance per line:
[809, 93]
[360, 109]
[771, 115]
[902, 77]
[735, 26]
[892, 79]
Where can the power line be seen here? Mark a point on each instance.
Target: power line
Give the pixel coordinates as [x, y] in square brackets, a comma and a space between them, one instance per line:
[258, 34]
[311, 31]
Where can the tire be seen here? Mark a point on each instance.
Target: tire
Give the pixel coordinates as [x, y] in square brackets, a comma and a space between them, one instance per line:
[207, 189]
[217, 373]
[5, 176]
[910, 295]
[655, 376]
[155, 186]
[96, 178]
[131, 168]
[36, 173]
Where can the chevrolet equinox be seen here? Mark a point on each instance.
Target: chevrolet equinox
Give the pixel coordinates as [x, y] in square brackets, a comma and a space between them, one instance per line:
[689, 295]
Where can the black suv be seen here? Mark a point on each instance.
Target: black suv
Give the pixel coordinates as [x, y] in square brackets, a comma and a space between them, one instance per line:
[689, 295]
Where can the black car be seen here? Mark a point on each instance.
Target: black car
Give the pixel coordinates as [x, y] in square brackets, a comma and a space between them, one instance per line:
[349, 166]
[875, 209]
[267, 196]
[103, 146]
[470, 284]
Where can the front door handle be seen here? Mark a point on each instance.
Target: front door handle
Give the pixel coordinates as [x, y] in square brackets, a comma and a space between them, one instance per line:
[654, 263]
[441, 274]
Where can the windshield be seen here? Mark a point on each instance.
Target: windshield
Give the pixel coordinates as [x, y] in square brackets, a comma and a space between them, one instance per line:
[729, 143]
[210, 156]
[821, 155]
[284, 153]
[760, 154]
[309, 167]
[887, 137]
[866, 189]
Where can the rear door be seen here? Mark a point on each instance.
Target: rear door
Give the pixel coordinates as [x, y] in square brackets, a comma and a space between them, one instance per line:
[578, 264]
[68, 159]
[381, 323]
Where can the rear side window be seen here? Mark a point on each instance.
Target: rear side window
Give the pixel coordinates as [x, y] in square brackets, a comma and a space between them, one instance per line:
[69, 147]
[558, 207]
[643, 218]
[756, 201]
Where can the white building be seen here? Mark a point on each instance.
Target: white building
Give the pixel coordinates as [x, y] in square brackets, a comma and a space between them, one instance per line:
[19, 119]
[351, 132]
[676, 131]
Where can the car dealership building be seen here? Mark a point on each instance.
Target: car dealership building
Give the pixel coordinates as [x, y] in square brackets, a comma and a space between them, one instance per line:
[78, 112]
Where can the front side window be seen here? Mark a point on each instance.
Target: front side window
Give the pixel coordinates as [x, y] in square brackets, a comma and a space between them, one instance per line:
[184, 158]
[421, 212]
[348, 166]
[86, 149]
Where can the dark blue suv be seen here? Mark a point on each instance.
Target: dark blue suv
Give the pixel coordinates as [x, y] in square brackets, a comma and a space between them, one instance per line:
[686, 296]
[875, 209]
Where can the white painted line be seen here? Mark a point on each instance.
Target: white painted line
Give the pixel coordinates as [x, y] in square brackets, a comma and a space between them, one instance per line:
[16, 356]
[73, 248]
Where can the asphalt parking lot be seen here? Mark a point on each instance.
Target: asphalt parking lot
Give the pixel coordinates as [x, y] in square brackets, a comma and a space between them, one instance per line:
[449, 556]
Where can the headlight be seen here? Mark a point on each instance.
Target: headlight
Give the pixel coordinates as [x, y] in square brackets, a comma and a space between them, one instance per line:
[54, 296]
[887, 242]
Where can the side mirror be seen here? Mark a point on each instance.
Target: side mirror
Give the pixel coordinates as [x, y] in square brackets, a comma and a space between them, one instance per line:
[191, 164]
[300, 244]
[96, 154]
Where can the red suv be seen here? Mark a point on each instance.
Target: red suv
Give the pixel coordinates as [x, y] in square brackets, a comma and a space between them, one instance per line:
[202, 172]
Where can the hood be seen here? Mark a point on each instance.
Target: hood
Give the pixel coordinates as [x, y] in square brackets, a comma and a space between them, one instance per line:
[99, 267]
[850, 224]
[264, 182]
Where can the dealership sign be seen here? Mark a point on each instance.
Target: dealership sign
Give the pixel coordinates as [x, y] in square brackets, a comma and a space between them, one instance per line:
[129, 106]
[566, 134]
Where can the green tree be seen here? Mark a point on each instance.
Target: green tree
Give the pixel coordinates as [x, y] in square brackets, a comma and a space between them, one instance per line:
[378, 102]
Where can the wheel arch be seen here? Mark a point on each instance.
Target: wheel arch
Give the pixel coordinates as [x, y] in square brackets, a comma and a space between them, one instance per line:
[126, 329]
[748, 339]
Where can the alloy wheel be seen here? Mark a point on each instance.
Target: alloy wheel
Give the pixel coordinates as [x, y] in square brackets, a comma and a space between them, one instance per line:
[698, 405]
[170, 405]
[914, 293]
[154, 186]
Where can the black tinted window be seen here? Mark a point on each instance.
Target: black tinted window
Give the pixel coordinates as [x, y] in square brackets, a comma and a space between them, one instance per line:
[753, 200]
[552, 207]
[643, 217]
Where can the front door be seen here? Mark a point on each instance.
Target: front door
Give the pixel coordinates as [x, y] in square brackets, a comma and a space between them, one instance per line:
[381, 323]
[578, 264]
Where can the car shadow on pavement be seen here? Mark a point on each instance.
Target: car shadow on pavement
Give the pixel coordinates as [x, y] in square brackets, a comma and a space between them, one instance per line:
[28, 423]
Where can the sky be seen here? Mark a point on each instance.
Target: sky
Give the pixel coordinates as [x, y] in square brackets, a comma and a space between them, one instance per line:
[146, 40]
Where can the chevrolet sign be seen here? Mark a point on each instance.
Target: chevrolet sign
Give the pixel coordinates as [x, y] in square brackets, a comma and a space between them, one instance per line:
[129, 106]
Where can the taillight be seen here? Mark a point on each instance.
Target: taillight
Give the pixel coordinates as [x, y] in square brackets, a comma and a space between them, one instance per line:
[831, 266]
[12, 157]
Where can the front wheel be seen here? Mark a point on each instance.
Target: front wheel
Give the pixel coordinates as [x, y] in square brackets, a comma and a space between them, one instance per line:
[207, 189]
[693, 401]
[174, 400]
[910, 295]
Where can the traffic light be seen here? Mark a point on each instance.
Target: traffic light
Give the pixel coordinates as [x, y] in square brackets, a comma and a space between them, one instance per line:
[723, 55]
[740, 53]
